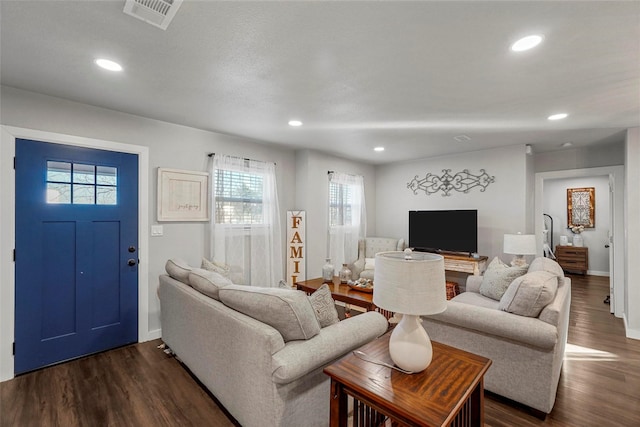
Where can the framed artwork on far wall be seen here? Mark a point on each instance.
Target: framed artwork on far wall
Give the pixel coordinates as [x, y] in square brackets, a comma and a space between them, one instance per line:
[183, 195]
[581, 207]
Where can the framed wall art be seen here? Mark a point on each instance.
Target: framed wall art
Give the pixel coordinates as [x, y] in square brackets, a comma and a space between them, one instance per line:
[581, 207]
[183, 195]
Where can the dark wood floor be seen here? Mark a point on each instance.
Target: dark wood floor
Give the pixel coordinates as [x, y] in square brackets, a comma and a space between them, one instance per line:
[139, 385]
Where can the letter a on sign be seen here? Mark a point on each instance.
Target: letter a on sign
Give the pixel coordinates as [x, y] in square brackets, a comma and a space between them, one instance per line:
[296, 241]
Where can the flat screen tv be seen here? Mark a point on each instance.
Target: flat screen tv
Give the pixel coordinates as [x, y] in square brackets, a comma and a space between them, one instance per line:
[444, 231]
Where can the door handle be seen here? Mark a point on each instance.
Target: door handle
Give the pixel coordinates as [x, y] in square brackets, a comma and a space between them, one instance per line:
[132, 249]
[606, 246]
[131, 262]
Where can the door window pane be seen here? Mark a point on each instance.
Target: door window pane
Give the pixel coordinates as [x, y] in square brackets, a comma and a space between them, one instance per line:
[83, 194]
[59, 171]
[58, 193]
[84, 174]
[106, 195]
[107, 175]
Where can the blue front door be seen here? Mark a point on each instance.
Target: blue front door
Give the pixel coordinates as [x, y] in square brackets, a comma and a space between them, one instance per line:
[76, 252]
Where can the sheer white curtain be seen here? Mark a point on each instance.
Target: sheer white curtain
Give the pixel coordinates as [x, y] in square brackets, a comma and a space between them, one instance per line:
[347, 217]
[244, 231]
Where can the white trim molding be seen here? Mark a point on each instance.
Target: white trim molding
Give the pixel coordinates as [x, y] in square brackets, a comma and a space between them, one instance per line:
[630, 333]
[616, 178]
[8, 135]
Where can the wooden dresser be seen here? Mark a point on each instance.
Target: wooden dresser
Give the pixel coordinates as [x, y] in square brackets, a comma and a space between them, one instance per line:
[573, 258]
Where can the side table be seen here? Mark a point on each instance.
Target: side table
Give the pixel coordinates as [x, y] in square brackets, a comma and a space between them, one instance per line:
[449, 392]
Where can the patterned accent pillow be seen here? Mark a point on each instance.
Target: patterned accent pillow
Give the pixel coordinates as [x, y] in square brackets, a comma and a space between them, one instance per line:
[284, 285]
[497, 278]
[218, 267]
[529, 294]
[324, 307]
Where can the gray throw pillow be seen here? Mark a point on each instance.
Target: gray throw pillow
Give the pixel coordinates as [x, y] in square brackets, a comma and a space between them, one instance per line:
[547, 264]
[324, 306]
[529, 294]
[287, 310]
[208, 282]
[497, 278]
[178, 269]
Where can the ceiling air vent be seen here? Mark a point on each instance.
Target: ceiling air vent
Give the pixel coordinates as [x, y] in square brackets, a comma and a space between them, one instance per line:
[158, 13]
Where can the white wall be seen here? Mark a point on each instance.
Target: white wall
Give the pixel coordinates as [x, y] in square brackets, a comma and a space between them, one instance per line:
[632, 231]
[555, 204]
[169, 145]
[312, 194]
[502, 207]
[580, 158]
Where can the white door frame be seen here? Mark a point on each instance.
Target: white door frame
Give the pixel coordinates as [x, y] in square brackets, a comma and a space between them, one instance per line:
[616, 176]
[8, 135]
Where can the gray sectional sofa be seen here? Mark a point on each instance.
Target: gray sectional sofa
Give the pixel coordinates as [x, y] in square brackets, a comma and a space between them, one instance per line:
[527, 352]
[260, 377]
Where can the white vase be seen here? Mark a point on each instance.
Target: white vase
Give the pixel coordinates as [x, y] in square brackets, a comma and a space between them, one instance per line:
[577, 240]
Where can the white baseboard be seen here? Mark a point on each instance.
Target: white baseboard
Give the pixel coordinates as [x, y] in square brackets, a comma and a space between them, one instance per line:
[598, 273]
[630, 333]
[153, 335]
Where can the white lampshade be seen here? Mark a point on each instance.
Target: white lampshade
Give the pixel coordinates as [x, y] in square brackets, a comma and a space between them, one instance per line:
[413, 284]
[410, 286]
[520, 244]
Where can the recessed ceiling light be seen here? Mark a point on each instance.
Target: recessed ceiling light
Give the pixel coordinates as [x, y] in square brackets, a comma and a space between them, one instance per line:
[108, 64]
[559, 116]
[526, 43]
[295, 123]
[378, 149]
[567, 144]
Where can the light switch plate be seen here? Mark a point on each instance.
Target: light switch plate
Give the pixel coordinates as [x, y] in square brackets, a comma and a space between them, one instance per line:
[156, 230]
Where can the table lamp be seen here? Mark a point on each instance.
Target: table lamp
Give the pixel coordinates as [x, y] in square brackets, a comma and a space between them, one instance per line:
[413, 284]
[519, 245]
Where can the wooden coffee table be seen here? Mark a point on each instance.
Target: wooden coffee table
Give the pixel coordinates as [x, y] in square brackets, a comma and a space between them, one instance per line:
[343, 293]
[449, 392]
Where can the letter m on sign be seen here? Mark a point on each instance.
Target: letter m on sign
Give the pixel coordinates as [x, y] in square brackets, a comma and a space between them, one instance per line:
[296, 241]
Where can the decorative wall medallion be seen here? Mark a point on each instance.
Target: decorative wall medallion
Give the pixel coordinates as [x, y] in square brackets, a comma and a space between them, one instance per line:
[462, 181]
[581, 207]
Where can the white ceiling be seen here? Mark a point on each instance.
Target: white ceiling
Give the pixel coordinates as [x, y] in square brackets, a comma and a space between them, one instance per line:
[408, 76]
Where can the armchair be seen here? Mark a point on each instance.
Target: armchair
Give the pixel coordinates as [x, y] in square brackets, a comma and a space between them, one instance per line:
[367, 249]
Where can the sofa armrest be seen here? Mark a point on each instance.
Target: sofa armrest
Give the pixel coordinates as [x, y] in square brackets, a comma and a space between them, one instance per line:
[527, 330]
[298, 358]
[473, 284]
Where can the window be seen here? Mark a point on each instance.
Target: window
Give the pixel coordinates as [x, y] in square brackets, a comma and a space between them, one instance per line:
[340, 201]
[81, 184]
[347, 216]
[238, 197]
[245, 233]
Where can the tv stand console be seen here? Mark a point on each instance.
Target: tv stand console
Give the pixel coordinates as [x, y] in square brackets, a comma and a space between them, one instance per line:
[465, 264]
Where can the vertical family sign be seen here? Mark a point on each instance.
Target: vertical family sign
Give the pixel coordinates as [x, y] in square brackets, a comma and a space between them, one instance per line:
[296, 238]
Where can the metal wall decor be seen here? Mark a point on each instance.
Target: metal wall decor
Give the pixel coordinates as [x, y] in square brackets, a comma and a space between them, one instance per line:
[462, 181]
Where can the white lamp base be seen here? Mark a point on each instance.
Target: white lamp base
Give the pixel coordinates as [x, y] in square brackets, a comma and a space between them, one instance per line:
[409, 345]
